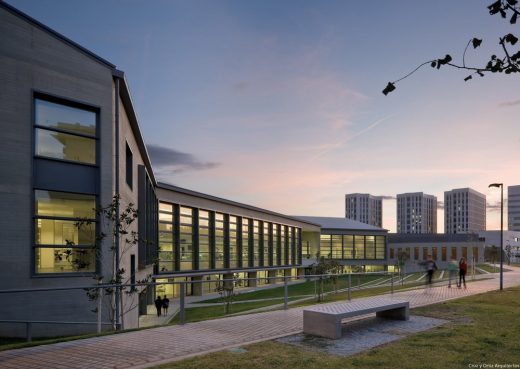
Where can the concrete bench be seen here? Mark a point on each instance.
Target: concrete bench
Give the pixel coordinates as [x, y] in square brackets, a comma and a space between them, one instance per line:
[325, 320]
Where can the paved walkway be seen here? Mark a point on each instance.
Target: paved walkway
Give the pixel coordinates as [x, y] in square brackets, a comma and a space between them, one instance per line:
[147, 348]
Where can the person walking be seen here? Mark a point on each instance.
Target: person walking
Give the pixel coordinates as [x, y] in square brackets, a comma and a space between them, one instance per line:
[463, 268]
[452, 271]
[165, 304]
[158, 305]
[431, 267]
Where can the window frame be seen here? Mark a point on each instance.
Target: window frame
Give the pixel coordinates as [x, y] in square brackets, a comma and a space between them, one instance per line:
[35, 246]
[72, 103]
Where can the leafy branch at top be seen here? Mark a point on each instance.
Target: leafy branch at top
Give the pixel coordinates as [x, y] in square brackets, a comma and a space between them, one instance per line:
[508, 63]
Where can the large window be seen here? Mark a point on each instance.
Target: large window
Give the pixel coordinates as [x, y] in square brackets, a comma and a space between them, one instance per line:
[337, 246]
[380, 247]
[276, 244]
[266, 239]
[65, 232]
[348, 247]
[325, 245]
[233, 248]
[186, 238]
[256, 243]
[204, 252]
[219, 241]
[359, 247]
[245, 242]
[129, 166]
[370, 247]
[298, 242]
[64, 132]
[283, 245]
[166, 238]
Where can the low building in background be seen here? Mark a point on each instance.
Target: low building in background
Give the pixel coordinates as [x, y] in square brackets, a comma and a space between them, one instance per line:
[511, 245]
[441, 247]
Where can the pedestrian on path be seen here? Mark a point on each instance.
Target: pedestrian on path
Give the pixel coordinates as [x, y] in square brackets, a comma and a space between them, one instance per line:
[452, 271]
[463, 268]
[431, 267]
[158, 305]
[165, 304]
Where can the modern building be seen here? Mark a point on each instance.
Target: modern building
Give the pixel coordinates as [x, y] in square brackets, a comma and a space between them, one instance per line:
[354, 245]
[513, 208]
[511, 243]
[464, 211]
[364, 208]
[441, 247]
[416, 213]
[206, 237]
[72, 143]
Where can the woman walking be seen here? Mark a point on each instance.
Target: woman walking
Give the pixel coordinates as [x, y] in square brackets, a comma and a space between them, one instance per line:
[463, 268]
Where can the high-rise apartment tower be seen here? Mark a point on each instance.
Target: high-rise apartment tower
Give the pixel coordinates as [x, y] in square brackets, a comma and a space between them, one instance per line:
[513, 208]
[364, 208]
[464, 211]
[416, 213]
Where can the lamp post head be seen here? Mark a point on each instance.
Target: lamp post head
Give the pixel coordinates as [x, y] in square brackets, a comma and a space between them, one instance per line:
[495, 185]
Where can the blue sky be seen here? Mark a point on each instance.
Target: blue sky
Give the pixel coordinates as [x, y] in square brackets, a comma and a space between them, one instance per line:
[278, 104]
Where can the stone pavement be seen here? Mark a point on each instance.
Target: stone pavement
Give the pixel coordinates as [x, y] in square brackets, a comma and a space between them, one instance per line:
[150, 347]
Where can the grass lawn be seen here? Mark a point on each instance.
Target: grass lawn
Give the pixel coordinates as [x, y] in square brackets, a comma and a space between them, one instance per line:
[217, 311]
[491, 269]
[196, 314]
[483, 329]
[304, 288]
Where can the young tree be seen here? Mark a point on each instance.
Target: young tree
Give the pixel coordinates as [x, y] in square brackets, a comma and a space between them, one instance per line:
[122, 239]
[322, 267]
[402, 257]
[508, 62]
[226, 290]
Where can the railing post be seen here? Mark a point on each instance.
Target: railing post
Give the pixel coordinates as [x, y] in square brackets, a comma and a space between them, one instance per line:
[349, 286]
[285, 293]
[100, 297]
[28, 331]
[182, 312]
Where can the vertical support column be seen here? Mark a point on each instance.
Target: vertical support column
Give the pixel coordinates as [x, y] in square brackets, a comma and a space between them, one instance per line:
[349, 286]
[28, 331]
[271, 275]
[99, 300]
[253, 281]
[285, 293]
[197, 286]
[182, 311]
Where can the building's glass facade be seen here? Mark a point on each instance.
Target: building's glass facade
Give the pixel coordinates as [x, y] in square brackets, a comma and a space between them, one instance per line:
[352, 247]
[64, 226]
[207, 240]
[65, 232]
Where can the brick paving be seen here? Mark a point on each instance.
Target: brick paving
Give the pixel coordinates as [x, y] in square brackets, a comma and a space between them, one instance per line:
[147, 348]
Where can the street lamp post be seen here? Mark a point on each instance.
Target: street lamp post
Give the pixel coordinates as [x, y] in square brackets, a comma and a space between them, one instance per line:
[501, 185]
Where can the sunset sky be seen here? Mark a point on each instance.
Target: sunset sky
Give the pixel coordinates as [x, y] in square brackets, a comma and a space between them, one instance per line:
[278, 104]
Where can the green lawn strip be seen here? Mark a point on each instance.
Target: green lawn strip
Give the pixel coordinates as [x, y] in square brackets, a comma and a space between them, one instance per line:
[491, 269]
[300, 289]
[212, 312]
[217, 311]
[483, 329]
[10, 343]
